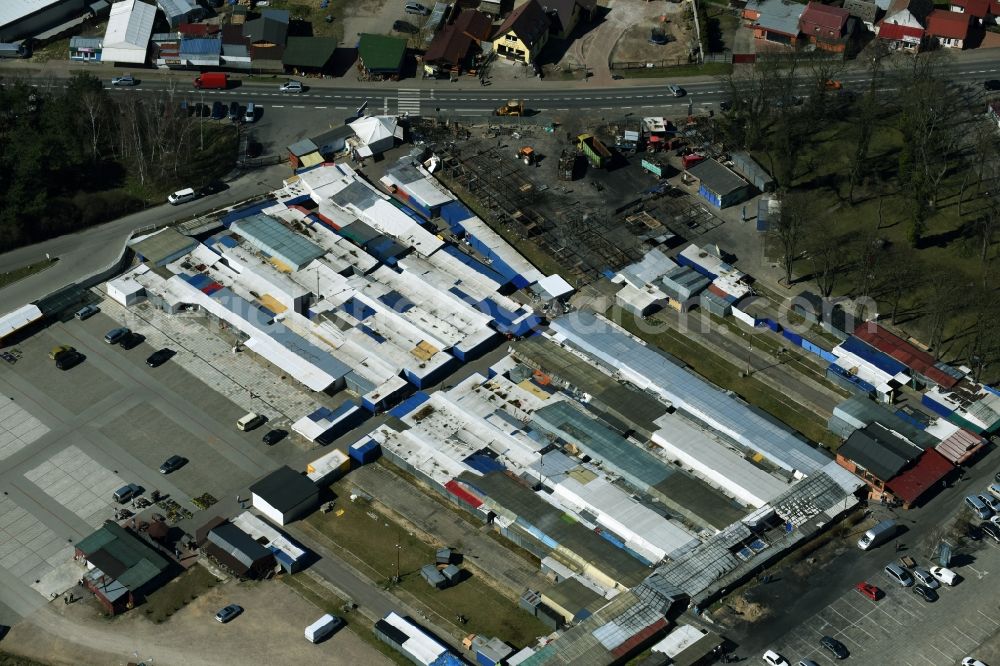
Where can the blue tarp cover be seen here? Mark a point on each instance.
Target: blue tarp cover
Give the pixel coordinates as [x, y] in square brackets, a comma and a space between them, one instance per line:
[863, 350]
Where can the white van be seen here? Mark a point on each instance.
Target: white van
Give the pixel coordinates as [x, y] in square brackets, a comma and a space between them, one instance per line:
[250, 114]
[182, 196]
[878, 535]
[250, 421]
[322, 628]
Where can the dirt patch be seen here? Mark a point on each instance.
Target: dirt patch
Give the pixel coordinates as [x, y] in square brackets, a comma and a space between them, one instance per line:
[77, 634]
[675, 22]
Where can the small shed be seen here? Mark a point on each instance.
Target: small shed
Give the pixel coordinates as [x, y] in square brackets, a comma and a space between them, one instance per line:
[747, 166]
[381, 57]
[443, 556]
[126, 291]
[452, 574]
[434, 578]
[376, 134]
[719, 185]
[304, 153]
[284, 495]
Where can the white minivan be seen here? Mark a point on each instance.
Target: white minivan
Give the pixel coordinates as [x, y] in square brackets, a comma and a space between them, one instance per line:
[250, 114]
[182, 196]
[250, 421]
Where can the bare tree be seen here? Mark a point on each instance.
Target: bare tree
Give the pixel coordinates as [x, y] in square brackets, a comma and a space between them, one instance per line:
[826, 255]
[866, 253]
[901, 275]
[788, 229]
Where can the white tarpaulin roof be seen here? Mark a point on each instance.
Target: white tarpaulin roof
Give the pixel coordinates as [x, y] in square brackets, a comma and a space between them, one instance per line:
[129, 28]
[372, 129]
[22, 316]
[555, 286]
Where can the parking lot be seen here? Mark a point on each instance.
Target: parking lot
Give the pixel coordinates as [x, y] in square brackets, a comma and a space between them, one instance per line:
[901, 628]
[69, 438]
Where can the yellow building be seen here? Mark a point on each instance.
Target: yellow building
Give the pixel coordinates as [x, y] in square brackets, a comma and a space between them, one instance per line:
[523, 35]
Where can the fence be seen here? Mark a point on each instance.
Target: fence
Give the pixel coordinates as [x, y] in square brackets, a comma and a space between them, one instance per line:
[721, 56]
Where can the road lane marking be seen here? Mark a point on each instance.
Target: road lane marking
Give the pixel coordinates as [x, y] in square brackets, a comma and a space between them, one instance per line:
[277, 106]
[298, 107]
[987, 617]
[319, 107]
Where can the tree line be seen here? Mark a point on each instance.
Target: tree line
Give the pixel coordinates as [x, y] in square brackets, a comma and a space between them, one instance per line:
[909, 143]
[75, 156]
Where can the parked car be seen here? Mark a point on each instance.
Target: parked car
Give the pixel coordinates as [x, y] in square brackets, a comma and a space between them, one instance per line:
[172, 464]
[978, 507]
[924, 577]
[86, 312]
[676, 90]
[182, 196]
[69, 359]
[291, 87]
[837, 649]
[416, 8]
[726, 104]
[234, 111]
[56, 352]
[772, 658]
[126, 493]
[806, 662]
[992, 502]
[159, 357]
[972, 661]
[405, 26]
[218, 110]
[869, 590]
[898, 574]
[991, 531]
[274, 436]
[926, 593]
[992, 84]
[115, 335]
[124, 80]
[228, 613]
[945, 575]
[131, 340]
[250, 114]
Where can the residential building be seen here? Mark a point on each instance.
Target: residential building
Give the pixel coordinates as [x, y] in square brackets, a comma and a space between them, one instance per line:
[898, 37]
[121, 567]
[979, 9]
[130, 26]
[865, 11]
[774, 20]
[523, 35]
[381, 57]
[825, 26]
[284, 495]
[950, 29]
[268, 29]
[456, 47]
[902, 27]
[564, 15]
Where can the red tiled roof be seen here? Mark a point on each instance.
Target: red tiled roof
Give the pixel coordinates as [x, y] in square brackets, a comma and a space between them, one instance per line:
[896, 33]
[977, 8]
[823, 17]
[951, 25]
[900, 349]
[960, 446]
[995, 7]
[930, 468]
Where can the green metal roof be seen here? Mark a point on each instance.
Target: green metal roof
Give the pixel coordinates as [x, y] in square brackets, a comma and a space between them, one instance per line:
[309, 51]
[379, 53]
[122, 556]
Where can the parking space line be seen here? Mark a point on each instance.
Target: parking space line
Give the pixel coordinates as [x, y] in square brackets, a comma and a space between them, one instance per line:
[988, 617]
[942, 652]
[853, 624]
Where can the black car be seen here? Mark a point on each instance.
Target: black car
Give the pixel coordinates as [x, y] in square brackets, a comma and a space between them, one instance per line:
[996, 477]
[404, 26]
[992, 84]
[274, 436]
[69, 359]
[158, 358]
[234, 111]
[926, 593]
[726, 105]
[989, 529]
[172, 464]
[131, 340]
[218, 110]
[834, 647]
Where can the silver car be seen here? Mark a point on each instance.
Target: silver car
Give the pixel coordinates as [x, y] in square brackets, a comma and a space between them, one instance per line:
[924, 577]
[899, 574]
[291, 87]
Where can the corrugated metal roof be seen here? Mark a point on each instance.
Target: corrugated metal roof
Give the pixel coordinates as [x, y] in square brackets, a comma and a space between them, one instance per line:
[276, 239]
[930, 468]
[649, 368]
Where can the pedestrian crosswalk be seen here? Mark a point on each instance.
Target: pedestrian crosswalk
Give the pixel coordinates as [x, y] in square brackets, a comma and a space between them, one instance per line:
[408, 102]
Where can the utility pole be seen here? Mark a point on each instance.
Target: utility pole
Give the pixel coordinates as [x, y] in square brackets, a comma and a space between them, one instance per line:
[749, 354]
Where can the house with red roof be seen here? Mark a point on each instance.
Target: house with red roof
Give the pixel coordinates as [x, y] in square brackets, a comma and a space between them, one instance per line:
[825, 26]
[902, 28]
[976, 8]
[950, 29]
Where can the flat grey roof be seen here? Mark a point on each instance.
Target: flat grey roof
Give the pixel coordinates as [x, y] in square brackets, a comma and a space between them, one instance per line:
[716, 177]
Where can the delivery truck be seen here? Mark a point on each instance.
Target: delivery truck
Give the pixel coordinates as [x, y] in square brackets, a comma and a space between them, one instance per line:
[212, 81]
[878, 535]
[322, 628]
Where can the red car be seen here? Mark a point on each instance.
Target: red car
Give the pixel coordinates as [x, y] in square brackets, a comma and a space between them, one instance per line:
[869, 591]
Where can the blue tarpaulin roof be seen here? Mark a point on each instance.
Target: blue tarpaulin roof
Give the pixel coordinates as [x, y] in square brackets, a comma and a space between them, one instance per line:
[868, 353]
[476, 265]
[410, 404]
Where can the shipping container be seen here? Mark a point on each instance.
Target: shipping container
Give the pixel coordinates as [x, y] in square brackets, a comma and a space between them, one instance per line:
[322, 628]
[328, 468]
[596, 152]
